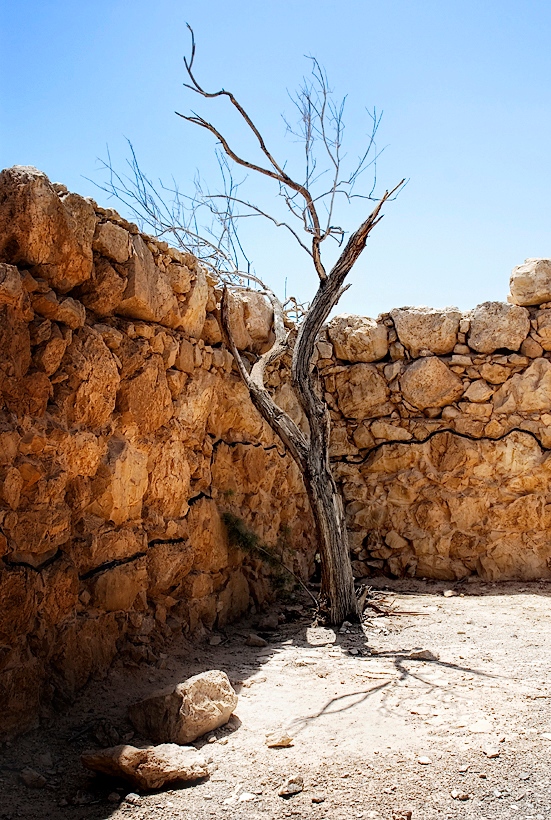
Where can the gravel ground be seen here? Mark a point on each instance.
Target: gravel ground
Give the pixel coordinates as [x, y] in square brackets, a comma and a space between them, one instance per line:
[444, 713]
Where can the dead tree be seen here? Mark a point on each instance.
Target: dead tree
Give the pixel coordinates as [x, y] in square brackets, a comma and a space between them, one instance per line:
[320, 127]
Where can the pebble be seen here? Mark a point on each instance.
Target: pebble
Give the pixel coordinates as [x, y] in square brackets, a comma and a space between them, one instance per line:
[32, 779]
[212, 739]
[215, 640]
[246, 797]
[279, 738]
[318, 798]
[255, 640]
[293, 785]
[114, 797]
[133, 798]
[449, 593]
[424, 761]
[491, 752]
[457, 795]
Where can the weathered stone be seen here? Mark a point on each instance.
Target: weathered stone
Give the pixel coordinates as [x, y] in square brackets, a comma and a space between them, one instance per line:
[528, 392]
[389, 432]
[68, 310]
[112, 241]
[145, 399]
[35, 536]
[430, 383]
[496, 325]
[148, 294]
[180, 278]
[120, 483]
[148, 768]
[543, 319]
[479, 391]
[362, 392]
[104, 291]
[194, 309]
[208, 536]
[38, 230]
[358, 339]
[423, 328]
[530, 283]
[115, 589]
[251, 318]
[201, 704]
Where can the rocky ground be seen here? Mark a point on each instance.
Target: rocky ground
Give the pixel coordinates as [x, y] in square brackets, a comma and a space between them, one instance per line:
[443, 713]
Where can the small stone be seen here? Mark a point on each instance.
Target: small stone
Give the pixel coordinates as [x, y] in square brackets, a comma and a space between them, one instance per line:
[212, 739]
[32, 779]
[215, 640]
[279, 738]
[423, 655]
[457, 795]
[246, 797]
[293, 785]
[318, 798]
[255, 640]
[491, 752]
[114, 797]
[424, 761]
[449, 593]
[133, 798]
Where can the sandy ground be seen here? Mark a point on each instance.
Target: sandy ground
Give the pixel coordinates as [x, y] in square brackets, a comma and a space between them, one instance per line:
[363, 711]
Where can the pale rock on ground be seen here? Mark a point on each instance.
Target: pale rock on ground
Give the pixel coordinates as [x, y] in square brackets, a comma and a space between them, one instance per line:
[148, 768]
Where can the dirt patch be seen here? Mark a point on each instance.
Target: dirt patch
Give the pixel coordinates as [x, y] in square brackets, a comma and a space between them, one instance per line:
[464, 684]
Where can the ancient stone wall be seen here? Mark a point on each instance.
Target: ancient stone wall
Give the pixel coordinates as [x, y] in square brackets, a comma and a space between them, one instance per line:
[441, 435]
[124, 434]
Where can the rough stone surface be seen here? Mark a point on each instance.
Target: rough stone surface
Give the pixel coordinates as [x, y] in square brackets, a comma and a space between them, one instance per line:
[530, 283]
[148, 768]
[423, 328]
[188, 711]
[496, 325]
[357, 338]
[362, 392]
[430, 383]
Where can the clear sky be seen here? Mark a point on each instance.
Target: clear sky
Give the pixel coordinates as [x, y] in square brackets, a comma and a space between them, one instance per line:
[465, 88]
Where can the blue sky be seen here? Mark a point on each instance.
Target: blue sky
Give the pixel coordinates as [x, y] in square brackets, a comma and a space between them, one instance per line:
[465, 88]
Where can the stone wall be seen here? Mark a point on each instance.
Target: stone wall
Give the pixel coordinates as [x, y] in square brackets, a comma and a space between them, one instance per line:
[124, 434]
[441, 435]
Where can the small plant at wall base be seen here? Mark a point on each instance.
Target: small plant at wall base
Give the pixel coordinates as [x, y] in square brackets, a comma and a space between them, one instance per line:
[310, 203]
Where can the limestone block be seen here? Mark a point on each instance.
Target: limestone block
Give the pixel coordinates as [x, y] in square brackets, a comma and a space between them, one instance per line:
[185, 360]
[389, 432]
[145, 399]
[232, 415]
[48, 356]
[543, 318]
[530, 283]
[193, 310]
[115, 589]
[120, 483]
[148, 768]
[104, 291]
[211, 334]
[169, 479]
[148, 294]
[423, 328]
[84, 646]
[180, 278]
[478, 391]
[208, 536]
[357, 338]
[494, 373]
[233, 600]
[39, 230]
[362, 437]
[12, 292]
[527, 392]
[193, 407]
[112, 241]
[251, 319]
[88, 396]
[496, 325]
[362, 392]
[429, 382]
[35, 534]
[181, 714]
[167, 565]
[68, 310]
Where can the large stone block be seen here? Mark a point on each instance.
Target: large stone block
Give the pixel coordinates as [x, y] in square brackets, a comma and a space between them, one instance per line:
[51, 236]
[496, 325]
[191, 709]
[251, 319]
[527, 392]
[530, 283]
[148, 294]
[208, 536]
[429, 382]
[149, 768]
[362, 392]
[358, 339]
[145, 399]
[112, 241]
[120, 483]
[115, 589]
[423, 328]
[193, 309]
